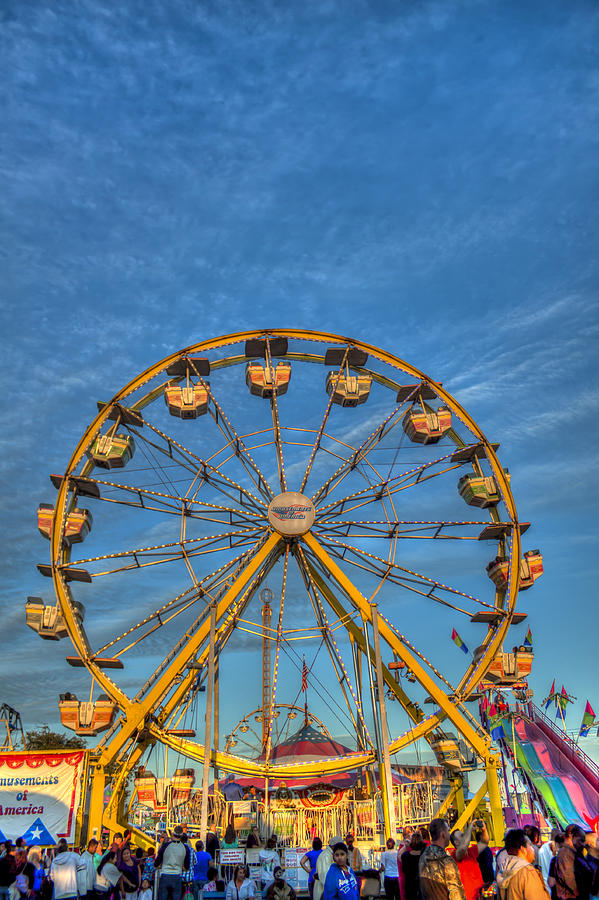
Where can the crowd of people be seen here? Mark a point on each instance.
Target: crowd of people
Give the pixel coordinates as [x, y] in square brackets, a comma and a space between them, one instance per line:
[428, 863]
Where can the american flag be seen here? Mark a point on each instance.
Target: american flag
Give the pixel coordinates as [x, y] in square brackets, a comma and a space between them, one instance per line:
[304, 676]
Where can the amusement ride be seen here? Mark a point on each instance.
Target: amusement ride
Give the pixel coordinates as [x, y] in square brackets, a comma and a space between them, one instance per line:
[284, 507]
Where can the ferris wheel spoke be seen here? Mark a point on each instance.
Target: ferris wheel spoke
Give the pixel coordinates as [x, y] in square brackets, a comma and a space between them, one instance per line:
[391, 529]
[224, 425]
[207, 587]
[360, 454]
[274, 410]
[324, 421]
[475, 734]
[253, 566]
[171, 503]
[379, 566]
[198, 466]
[320, 576]
[388, 486]
[229, 620]
[163, 550]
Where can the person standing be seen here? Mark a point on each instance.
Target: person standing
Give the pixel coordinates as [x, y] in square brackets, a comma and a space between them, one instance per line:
[323, 864]
[172, 859]
[201, 862]
[569, 865]
[308, 863]
[353, 855]
[129, 867]
[546, 853]
[439, 875]
[520, 880]
[148, 871]
[35, 861]
[89, 858]
[269, 860]
[7, 870]
[212, 844]
[230, 841]
[410, 861]
[390, 866]
[254, 841]
[466, 856]
[533, 833]
[340, 882]
[63, 871]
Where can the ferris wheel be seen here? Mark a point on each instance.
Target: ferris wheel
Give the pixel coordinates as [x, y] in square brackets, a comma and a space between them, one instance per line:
[356, 485]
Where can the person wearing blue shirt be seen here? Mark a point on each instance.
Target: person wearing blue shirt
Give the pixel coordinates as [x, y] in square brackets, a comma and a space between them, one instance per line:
[308, 863]
[200, 862]
[340, 883]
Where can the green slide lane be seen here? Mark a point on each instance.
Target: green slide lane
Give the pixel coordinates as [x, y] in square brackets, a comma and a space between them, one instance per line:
[549, 787]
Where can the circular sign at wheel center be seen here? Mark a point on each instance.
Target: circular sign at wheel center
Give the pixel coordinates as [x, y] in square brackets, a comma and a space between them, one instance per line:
[291, 513]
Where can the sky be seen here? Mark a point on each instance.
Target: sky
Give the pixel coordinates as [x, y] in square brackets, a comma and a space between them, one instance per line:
[421, 176]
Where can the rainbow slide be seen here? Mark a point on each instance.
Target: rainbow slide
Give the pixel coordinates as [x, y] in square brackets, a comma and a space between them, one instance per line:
[565, 778]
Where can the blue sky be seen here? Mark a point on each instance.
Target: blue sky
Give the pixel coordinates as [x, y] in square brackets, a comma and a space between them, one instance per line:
[422, 176]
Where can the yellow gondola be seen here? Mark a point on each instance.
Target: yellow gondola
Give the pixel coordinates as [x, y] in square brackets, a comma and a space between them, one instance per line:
[259, 379]
[186, 401]
[426, 427]
[349, 390]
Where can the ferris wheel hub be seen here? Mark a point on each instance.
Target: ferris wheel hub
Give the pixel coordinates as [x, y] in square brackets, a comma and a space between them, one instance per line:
[291, 514]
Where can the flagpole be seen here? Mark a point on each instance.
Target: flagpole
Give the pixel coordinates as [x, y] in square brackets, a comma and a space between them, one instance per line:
[561, 712]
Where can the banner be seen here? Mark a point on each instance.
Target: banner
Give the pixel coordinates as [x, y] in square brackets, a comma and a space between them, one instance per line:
[40, 794]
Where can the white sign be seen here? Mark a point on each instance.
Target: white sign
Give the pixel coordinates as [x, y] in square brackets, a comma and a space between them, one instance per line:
[291, 514]
[295, 875]
[40, 794]
[232, 857]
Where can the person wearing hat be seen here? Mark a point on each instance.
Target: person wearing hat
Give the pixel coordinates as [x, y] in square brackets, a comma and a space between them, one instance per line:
[323, 864]
[278, 889]
[172, 859]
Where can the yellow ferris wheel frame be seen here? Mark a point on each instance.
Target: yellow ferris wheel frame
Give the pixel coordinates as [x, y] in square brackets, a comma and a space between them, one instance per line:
[124, 743]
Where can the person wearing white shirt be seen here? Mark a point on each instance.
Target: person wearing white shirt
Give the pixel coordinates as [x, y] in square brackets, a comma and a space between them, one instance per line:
[241, 887]
[390, 866]
[546, 854]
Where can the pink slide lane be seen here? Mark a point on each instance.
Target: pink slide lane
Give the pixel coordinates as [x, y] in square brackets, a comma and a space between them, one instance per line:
[584, 797]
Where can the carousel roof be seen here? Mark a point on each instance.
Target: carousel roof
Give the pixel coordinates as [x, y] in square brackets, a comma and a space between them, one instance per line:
[306, 744]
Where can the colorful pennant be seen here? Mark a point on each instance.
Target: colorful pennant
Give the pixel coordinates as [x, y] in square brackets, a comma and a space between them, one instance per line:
[458, 641]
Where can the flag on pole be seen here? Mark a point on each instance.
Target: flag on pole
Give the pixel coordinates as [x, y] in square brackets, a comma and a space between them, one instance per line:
[528, 639]
[561, 701]
[458, 641]
[304, 676]
[588, 720]
[549, 700]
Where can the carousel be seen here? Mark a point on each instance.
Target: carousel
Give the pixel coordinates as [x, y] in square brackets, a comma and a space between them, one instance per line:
[279, 508]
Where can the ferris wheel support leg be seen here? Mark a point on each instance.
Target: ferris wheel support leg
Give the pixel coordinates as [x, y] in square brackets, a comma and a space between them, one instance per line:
[385, 776]
[468, 810]
[478, 743]
[458, 797]
[497, 819]
[97, 783]
[135, 713]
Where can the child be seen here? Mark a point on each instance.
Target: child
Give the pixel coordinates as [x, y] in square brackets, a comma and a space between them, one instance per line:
[146, 890]
[213, 886]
